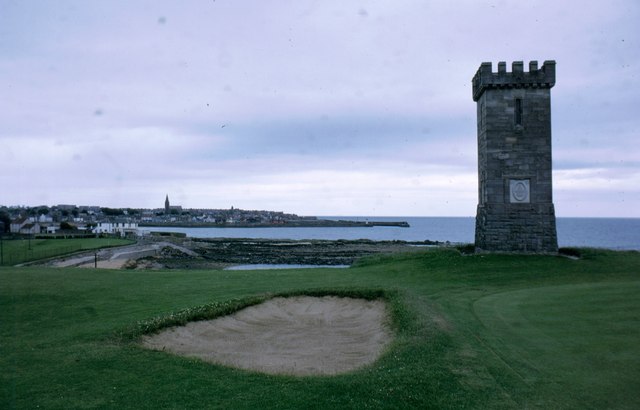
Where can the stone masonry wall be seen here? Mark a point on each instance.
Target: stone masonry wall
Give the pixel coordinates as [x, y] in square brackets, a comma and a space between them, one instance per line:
[526, 228]
[515, 206]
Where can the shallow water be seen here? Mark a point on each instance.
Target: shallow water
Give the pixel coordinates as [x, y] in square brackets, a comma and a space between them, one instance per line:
[264, 266]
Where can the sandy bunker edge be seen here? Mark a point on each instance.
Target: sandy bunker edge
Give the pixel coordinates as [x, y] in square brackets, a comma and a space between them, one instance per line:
[300, 335]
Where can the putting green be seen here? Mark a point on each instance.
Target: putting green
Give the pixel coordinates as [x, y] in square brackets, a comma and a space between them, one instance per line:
[579, 339]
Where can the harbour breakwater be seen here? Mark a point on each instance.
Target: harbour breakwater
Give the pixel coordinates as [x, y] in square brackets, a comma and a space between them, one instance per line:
[312, 223]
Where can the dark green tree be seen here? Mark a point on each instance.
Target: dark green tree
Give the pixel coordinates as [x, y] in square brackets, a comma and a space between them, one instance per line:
[66, 226]
[112, 211]
[6, 219]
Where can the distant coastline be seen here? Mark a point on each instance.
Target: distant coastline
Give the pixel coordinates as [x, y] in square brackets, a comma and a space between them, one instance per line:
[75, 220]
[303, 223]
[609, 233]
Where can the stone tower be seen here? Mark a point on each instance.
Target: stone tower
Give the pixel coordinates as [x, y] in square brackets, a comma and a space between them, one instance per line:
[167, 207]
[515, 206]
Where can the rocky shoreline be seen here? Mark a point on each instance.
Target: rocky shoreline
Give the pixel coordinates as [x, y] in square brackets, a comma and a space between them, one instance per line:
[305, 252]
[220, 253]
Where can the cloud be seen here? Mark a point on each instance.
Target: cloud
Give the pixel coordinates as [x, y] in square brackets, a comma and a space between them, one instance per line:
[323, 135]
[118, 103]
[338, 190]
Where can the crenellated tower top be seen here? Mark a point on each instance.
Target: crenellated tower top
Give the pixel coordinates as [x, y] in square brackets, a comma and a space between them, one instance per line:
[544, 77]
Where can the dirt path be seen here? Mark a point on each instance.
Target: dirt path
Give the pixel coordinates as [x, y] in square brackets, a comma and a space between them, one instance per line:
[116, 258]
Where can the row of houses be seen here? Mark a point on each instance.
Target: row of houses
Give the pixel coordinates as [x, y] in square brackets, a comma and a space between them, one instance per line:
[36, 226]
[117, 228]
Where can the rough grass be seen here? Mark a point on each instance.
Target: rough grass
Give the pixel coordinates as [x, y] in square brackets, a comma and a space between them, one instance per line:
[477, 331]
[217, 309]
[18, 251]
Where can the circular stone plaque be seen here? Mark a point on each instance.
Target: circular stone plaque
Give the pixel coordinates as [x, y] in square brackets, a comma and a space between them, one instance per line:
[519, 189]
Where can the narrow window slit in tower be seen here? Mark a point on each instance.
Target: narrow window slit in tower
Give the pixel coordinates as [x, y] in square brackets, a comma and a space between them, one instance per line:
[518, 111]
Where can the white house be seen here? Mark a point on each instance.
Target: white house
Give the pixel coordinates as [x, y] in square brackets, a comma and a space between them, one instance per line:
[52, 228]
[17, 224]
[30, 229]
[25, 226]
[45, 219]
[122, 228]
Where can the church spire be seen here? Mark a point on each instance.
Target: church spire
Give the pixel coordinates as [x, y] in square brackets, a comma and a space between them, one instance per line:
[167, 208]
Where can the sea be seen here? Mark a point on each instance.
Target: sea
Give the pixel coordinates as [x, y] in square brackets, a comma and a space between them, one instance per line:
[609, 233]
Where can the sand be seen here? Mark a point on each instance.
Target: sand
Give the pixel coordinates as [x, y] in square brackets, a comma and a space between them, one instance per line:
[298, 336]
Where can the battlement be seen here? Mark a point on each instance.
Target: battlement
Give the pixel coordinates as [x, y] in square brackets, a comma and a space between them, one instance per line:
[544, 77]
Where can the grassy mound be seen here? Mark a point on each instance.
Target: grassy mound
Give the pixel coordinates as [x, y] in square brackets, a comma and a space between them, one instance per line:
[217, 309]
[475, 331]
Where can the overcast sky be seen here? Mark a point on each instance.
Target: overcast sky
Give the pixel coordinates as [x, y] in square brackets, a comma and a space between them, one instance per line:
[328, 107]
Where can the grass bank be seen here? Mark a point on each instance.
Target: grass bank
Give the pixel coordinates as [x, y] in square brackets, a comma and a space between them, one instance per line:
[480, 331]
[16, 251]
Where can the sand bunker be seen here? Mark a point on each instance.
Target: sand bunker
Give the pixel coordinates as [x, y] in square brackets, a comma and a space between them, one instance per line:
[299, 335]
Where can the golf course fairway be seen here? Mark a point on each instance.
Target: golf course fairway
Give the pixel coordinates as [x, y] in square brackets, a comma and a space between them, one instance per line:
[468, 331]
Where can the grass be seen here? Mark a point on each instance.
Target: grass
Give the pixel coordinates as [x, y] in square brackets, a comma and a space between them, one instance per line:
[479, 331]
[18, 251]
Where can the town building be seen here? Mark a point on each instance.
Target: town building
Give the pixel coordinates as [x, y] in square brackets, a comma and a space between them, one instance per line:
[117, 228]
